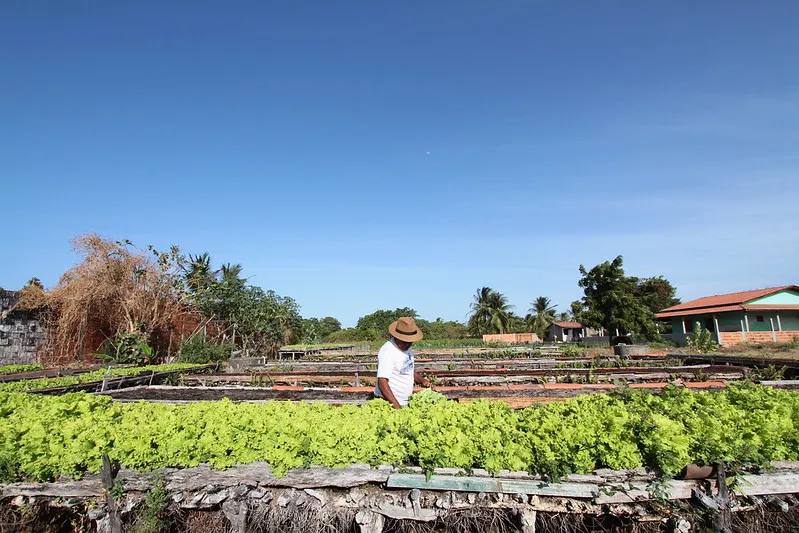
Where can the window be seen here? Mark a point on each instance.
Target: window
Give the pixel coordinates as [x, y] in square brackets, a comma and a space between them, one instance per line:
[760, 318]
[710, 325]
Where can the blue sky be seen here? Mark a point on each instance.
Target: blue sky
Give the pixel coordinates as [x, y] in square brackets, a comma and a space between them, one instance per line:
[362, 155]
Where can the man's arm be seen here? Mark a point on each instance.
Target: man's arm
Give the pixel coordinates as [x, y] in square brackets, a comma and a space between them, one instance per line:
[420, 380]
[388, 394]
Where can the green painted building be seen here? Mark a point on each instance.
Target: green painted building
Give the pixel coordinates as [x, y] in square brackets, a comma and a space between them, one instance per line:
[762, 315]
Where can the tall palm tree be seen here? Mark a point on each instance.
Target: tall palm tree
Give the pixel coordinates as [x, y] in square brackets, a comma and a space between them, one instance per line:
[542, 314]
[564, 316]
[198, 273]
[491, 312]
[230, 274]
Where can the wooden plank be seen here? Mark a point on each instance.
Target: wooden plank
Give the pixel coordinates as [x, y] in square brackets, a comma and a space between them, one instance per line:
[760, 484]
[507, 486]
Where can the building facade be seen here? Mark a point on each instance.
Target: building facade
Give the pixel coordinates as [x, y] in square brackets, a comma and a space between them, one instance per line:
[762, 315]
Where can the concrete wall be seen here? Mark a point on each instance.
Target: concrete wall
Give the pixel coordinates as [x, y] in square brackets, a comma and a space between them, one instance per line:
[21, 334]
[780, 298]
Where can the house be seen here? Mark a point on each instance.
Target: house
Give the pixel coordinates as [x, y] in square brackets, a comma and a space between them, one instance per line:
[565, 332]
[762, 315]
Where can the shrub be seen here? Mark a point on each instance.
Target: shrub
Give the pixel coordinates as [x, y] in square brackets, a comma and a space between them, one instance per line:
[126, 348]
[196, 350]
[701, 340]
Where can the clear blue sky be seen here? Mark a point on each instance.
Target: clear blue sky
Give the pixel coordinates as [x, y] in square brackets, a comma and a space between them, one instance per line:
[358, 155]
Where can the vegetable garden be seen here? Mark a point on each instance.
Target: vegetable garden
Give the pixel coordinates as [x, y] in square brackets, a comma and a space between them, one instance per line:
[561, 442]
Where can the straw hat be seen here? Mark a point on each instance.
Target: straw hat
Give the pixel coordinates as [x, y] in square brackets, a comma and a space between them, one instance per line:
[405, 329]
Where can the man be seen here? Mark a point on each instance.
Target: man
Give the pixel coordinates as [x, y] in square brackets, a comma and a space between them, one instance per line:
[395, 366]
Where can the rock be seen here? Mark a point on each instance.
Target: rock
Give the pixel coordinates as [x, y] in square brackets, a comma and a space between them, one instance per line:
[319, 495]
[369, 522]
[256, 494]
[177, 497]
[355, 494]
[241, 490]
[285, 498]
[216, 498]
[236, 512]
[471, 498]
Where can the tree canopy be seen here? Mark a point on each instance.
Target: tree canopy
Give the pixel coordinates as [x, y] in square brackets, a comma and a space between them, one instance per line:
[491, 312]
[612, 301]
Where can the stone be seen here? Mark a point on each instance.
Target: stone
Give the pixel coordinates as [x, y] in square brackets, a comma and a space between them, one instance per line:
[369, 521]
[177, 497]
[216, 498]
[236, 512]
[285, 498]
[319, 495]
[528, 518]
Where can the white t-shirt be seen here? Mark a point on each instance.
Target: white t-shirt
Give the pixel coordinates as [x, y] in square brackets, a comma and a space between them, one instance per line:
[397, 366]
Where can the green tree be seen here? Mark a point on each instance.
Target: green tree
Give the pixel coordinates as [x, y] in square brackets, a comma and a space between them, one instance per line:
[657, 293]
[375, 326]
[441, 329]
[576, 310]
[491, 312]
[230, 274]
[542, 314]
[316, 330]
[610, 301]
[198, 273]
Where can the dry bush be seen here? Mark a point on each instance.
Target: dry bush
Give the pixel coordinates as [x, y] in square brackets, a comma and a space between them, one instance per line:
[116, 288]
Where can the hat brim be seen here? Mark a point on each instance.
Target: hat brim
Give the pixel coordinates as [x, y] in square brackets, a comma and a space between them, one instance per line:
[404, 337]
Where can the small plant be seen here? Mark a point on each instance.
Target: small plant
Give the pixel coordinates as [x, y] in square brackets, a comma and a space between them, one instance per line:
[151, 518]
[197, 350]
[702, 340]
[127, 348]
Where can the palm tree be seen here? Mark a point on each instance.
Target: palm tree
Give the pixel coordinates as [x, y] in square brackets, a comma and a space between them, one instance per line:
[230, 274]
[542, 314]
[564, 316]
[490, 312]
[198, 273]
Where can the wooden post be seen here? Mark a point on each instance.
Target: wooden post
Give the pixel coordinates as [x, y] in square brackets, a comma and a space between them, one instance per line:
[722, 521]
[108, 473]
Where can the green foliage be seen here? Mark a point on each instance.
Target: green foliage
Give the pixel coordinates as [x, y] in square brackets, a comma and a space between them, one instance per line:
[442, 330]
[427, 396]
[317, 330]
[126, 348]
[16, 369]
[198, 350]
[612, 301]
[88, 377]
[375, 326]
[702, 340]
[491, 312]
[542, 314]
[43, 437]
[150, 518]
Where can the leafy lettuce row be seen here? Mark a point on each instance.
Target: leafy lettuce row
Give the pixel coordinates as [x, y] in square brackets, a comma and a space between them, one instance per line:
[45, 437]
[97, 375]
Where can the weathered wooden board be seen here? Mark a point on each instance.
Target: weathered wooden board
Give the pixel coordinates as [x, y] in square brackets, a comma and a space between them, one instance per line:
[507, 486]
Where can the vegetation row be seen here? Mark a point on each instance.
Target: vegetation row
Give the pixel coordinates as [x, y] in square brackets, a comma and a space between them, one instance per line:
[43, 437]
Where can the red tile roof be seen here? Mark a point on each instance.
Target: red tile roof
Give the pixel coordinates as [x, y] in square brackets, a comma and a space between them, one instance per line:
[568, 324]
[721, 303]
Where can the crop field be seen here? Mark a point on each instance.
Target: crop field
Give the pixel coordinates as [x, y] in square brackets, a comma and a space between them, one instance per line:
[539, 413]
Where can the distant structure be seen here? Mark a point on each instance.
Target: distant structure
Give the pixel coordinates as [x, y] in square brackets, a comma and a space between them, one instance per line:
[21, 333]
[565, 332]
[761, 315]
